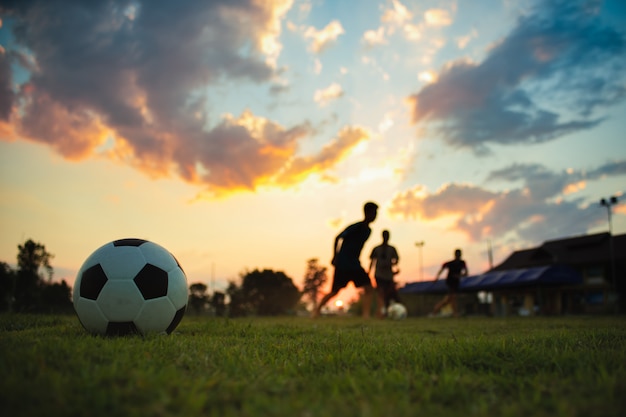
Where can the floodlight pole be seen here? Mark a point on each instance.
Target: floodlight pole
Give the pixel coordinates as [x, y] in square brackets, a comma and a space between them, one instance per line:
[420, 246]
[608, 203]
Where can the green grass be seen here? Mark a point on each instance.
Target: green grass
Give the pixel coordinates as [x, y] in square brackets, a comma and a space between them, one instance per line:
[570, 366]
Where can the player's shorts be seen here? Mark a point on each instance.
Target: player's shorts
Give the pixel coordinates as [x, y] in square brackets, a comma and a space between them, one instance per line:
[342, 278]
[387, 285]
[453, 284]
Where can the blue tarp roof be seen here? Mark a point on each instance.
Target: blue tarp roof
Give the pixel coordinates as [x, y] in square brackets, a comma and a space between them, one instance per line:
[490, 281]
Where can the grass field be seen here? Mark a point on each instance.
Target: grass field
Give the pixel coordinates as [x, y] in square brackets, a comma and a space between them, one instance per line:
[334, 366]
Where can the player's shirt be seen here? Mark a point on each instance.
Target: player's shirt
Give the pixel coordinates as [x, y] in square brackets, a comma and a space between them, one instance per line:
[455, 267]
[353, 238]
[384, 256]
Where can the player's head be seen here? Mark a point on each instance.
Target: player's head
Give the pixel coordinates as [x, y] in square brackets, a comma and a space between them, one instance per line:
[370, 210]
[386, 235]
[457, 253]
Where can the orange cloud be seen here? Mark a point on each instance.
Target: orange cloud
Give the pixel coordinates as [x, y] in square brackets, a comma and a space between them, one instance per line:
[74, 133]
[574, 187]
[330, 155]
[147, 107]
[7, 131]
[469, 205]
[620, 208]
[266, 22]
[241, 153]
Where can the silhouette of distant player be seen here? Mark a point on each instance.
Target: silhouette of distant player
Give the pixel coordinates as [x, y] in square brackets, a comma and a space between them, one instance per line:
[456, 270]
[384, 258]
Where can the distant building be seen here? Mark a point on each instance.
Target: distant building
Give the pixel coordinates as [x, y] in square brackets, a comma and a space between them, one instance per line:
[583, 274]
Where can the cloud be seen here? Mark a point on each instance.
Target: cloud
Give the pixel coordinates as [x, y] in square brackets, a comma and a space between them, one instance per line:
[544, 80]
[375, 37]
[533, 210]
[396, 18]
[398, 14]
[393, 18]
[610, 169]
[328, 94]
[437, 17]
[7, 96]
[73, 132]
[242, 152]
[321, 39]
[331, 154]
[133, 87]
[462, 41]
[539, 182]
[427, 76]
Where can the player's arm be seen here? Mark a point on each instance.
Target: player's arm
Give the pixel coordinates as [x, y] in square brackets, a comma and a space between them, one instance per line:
[395, 258]
[439, 273]
[372, 261]
[336, 248]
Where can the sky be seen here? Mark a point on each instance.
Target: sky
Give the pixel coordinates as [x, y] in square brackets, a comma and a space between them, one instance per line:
[247, 134]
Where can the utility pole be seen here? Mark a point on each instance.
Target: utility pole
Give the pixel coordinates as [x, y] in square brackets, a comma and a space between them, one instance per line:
[420, 246]
[608, 203]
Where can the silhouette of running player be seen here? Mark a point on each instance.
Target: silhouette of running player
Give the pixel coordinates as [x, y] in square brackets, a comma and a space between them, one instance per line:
[346, 260]
[456, 270]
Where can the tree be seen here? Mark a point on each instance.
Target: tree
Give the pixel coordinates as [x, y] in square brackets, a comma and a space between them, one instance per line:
[265, 293]
[7, 287]
[238, 305]
[29, 284]
[26, 290]
[56, 298]
[218, 302]
[32, 256]
[198, 297]
[314, 278]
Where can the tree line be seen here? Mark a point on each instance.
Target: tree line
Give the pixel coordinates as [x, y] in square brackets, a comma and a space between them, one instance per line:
[30, 289]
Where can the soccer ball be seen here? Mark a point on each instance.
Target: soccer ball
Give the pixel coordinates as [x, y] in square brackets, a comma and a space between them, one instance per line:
[396, 311]
[130, 286]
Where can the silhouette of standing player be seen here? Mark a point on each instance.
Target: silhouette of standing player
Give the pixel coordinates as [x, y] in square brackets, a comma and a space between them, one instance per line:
[346, 254]
[456, 270]
[384, 259]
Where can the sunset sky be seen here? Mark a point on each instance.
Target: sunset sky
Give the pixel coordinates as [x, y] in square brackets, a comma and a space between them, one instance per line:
[247, 134]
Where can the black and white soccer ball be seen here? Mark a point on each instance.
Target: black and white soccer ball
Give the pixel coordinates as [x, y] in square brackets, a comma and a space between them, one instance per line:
[130, 286]
[396, 311]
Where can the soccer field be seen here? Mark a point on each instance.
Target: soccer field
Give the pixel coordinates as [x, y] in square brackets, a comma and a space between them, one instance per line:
[333, 366]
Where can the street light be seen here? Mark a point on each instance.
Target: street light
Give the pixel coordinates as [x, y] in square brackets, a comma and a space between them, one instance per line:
[608, 203]
[420, 245]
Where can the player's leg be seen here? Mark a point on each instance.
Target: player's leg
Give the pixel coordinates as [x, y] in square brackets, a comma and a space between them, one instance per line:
[391, 293]
[322, 303]
[380, 301]
[454, 288]
[367, 300]
[362, 280]
[441, 304]
[340, 280]
[453, 302]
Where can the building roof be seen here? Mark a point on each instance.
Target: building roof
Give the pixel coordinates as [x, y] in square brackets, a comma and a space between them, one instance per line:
[497, 280]
[572, 251]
